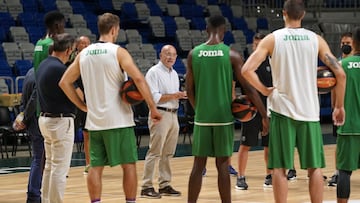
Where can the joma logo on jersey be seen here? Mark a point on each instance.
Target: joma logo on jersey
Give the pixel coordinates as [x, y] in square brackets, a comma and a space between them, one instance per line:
[353, 65]
[96, 52]
[211, 53]
[296, 37]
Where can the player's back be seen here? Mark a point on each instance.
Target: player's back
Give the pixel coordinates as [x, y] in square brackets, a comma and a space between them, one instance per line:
[102, 78]
[351, 66]
[212, 72]
[294, 69]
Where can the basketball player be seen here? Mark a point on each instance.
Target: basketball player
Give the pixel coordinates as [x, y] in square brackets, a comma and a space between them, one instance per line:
[104, 67]
[209, 78]
[293, 101]
[346, 48]
[348, 140]
[251, 129]
[55, 24]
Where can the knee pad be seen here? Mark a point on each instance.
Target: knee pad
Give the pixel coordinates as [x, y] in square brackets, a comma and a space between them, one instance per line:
[343, 184]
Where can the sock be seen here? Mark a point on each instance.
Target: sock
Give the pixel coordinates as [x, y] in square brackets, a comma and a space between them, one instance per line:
[96, 201]
[336, 172]
[130, 200]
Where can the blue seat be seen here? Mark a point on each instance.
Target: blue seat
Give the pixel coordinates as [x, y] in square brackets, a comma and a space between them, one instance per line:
[189, 2]
[30, 6]
[228, 38]
[212, 2]
[198, 23]
[22, 67]
[170, 26]
[128, 11]
[3, 36]
[239, 24]
[262, 24]
[27, 19]
[227, 12]
[179, 66]
[78, 7]
[5, 69]
[35, 33]
[48, 5]
[154, 8]
[6, 20]
[190, 11]
[106, 5]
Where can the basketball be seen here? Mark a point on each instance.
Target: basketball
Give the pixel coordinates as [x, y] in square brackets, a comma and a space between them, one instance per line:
[243, 109]
[130, 94]
[325, 80]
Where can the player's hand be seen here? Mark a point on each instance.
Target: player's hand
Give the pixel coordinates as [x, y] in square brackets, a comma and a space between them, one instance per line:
[155, 116]
[265, 128]
[268, 91]
[338, 116]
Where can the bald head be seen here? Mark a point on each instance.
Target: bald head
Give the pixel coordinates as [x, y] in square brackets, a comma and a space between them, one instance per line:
[168, 55]
[82, 42]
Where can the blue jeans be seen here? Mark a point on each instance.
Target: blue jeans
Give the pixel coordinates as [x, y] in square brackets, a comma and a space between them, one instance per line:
[37, 163]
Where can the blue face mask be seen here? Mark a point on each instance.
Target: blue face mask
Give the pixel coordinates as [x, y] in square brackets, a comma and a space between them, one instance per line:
[346, 49]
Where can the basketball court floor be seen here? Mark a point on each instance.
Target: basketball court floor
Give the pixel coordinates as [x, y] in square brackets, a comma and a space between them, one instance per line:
[14, 174]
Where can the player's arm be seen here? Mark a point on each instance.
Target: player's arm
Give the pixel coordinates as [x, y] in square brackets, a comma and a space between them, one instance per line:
[189, 81]
[67, 84]
[237, 62]
[339, 90]
[254, 61]
[127, 64]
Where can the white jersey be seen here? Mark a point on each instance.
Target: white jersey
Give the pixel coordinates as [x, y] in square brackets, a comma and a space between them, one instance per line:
[294, 71]
[102, 78]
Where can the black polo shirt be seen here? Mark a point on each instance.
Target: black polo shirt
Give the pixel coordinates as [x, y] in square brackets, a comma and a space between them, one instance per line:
[51, 97]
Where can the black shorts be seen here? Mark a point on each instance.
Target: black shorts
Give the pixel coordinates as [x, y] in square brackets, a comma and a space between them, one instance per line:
[250, 133]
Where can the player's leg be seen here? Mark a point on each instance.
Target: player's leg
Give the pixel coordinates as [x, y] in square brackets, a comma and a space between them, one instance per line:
[122, 150]
[223, 179]
[281, 153]
[97, 162]
[311, 154]
[195, 179]
[347, 160]
[249, 137]
[201, 149]
[223, 149]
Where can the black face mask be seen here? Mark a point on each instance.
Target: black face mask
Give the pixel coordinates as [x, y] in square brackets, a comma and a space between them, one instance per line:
[346, 49]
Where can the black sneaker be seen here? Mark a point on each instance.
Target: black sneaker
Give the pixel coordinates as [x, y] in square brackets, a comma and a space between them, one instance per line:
[150, 193]
[333, 180]
[241, 183]
[268, 181]
[169, 191]
[291, 174]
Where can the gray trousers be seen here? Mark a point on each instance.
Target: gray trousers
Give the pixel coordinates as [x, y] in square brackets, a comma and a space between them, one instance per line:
[162, 146]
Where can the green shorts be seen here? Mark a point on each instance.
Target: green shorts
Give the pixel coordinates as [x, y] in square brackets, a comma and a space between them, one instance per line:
[213, 141]
[113, 147]
[348, 152]
[285, 134]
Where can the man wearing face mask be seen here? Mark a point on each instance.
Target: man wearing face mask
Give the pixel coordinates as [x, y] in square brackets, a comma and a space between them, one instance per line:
[346, 44]
[346, 48]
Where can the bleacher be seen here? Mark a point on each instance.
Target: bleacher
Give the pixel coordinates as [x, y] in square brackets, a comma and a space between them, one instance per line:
[148, 24]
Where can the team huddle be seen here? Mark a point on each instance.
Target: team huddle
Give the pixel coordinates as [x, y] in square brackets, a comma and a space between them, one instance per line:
[286, 99]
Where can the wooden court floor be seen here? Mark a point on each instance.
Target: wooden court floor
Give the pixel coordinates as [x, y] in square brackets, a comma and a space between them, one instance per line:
[13, 186]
